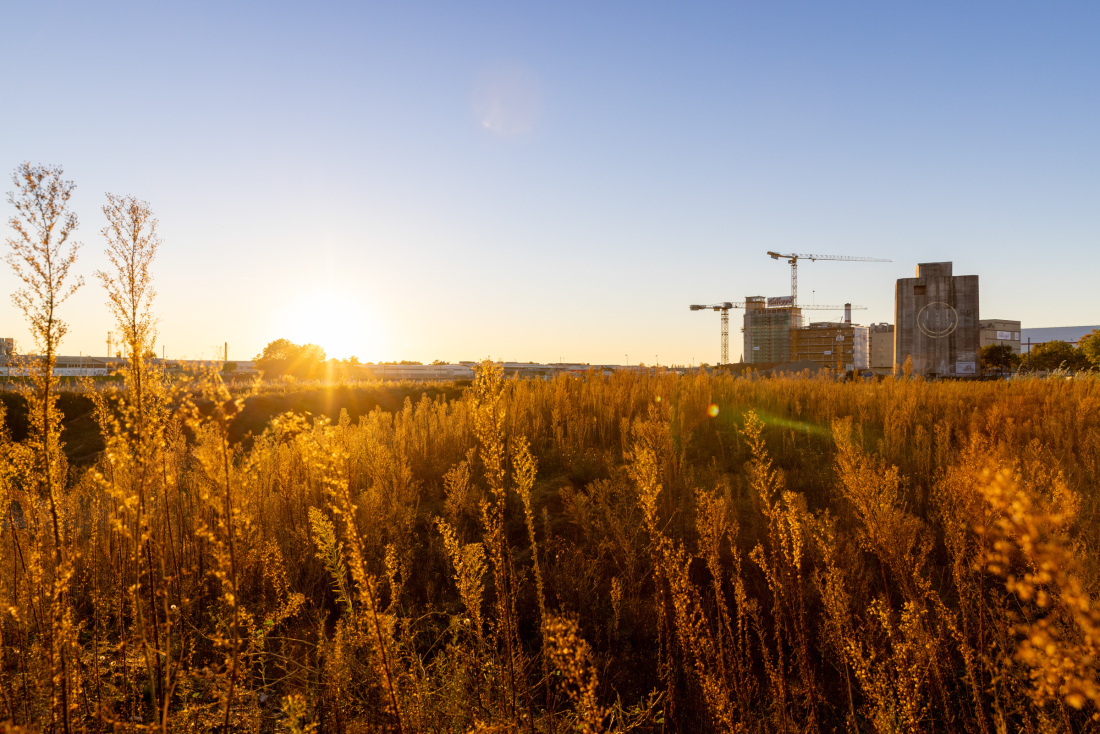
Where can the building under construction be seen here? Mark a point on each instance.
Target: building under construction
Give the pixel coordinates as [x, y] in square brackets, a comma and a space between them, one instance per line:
[772, 325]
[768, 326]
[774, 333]
[842, 347]
[936, 329]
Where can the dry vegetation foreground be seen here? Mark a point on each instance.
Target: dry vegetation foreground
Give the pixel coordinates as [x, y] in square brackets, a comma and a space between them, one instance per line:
[632, 552]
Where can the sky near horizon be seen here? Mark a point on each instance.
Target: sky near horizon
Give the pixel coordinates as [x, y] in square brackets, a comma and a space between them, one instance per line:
[545, 181]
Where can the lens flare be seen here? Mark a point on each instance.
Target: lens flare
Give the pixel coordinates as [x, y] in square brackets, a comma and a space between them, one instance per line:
[507, 101]
[712, 411]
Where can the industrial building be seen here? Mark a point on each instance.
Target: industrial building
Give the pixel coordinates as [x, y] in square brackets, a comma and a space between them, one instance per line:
[882, 348]
[1072, 334]
[86, 366]
[998, 331]
[463, 371]
[64, 366]
[936, 322]
[466, 370]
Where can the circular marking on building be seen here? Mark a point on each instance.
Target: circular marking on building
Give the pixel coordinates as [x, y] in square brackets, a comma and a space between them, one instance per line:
[937, 320]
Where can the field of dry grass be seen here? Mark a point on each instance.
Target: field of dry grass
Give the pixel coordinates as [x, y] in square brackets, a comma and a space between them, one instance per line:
[627, 552]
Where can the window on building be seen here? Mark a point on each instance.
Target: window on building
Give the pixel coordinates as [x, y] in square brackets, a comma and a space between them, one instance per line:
[919, 290]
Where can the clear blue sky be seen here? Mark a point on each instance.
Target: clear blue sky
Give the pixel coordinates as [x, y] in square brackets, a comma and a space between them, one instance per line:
[552, 180]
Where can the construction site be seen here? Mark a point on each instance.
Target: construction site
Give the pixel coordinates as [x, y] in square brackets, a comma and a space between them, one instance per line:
[936, 330]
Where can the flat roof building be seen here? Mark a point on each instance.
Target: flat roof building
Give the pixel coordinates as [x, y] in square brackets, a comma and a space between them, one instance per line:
[881, 344]
[839, 347]
[1071, 334]
[999, 331]
[936, 322]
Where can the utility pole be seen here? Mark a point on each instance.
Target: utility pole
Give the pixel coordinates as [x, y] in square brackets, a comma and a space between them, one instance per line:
[110, 339]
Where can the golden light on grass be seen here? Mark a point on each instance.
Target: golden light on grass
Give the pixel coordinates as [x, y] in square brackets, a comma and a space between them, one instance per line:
[857, 556]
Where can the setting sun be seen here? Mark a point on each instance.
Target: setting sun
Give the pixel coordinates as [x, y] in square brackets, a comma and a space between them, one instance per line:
[342, 325]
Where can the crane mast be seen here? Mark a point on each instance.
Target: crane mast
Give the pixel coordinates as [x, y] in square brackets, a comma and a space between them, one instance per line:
[724, 309]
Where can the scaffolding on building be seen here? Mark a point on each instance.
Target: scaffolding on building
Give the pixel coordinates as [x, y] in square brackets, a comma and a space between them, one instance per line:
[774, 333]
[838, 346]
[768, 331]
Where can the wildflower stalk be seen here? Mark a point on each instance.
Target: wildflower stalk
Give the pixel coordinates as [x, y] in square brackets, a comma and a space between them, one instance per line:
[525, 468]
[41, 257]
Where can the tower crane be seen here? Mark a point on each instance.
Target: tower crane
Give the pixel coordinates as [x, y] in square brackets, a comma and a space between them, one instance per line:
[724, 309]
[793, 259]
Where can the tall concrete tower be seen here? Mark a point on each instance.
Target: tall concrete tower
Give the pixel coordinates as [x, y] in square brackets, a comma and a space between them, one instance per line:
[936, 322]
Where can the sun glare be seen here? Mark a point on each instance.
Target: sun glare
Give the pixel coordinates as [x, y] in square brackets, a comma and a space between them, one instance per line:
[342, 325]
